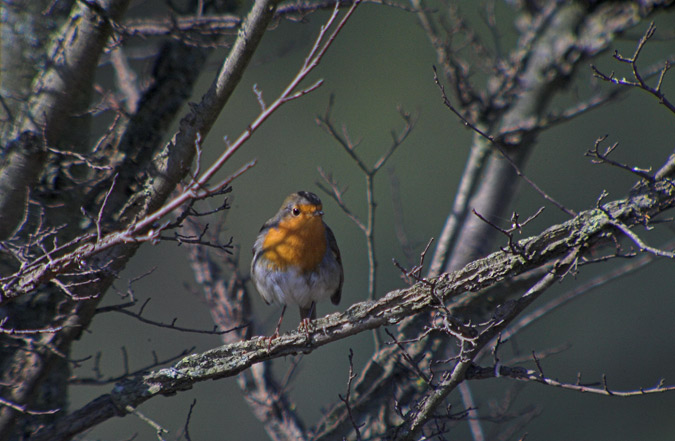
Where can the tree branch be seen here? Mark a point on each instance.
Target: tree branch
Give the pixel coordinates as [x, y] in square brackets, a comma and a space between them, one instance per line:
[589, 228]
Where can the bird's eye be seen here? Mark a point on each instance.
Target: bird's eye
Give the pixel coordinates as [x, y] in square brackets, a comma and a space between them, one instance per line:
[295, 211]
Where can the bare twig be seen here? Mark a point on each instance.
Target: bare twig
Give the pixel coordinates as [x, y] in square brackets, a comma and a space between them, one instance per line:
[186, 428]
[413, 427]
[407, 246]
[516, 226]
[122, 309]
[25, 410]
[159, 430]
[14, 331]
[583, 289]
[603, 157]
[499, 144]
[337, 193]
[414, 274]
[413, 365]
[639, 242]
[99, 380]
[367, 227]
[345, 399]
[639, 80]
[600, 388]
[99, 218]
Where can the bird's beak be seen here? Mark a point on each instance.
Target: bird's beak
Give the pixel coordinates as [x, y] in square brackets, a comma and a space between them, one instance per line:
[318, 213]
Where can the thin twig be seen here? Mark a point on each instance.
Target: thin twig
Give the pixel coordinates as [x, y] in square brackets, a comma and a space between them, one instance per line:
[159, 430]
[640, 244]
[368, 227]
[583, 289]
[99, 380]
[604, 158]
[414, 425]
[498, 144]
[350, 379]
[139, 316]
[537, 376]
[186, 427]
[639, 80]
[23, 409]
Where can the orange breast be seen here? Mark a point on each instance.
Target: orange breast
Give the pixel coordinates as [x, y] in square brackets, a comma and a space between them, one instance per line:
[299, 242]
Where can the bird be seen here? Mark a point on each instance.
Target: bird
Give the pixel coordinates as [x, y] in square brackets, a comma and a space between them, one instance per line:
[296, 259]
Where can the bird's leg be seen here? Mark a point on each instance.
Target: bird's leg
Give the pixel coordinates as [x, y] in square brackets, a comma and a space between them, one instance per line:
[276, 331]
[307, 315]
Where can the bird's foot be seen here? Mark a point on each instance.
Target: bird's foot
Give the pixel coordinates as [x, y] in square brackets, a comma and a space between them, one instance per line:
[272, 337]
[304, 326]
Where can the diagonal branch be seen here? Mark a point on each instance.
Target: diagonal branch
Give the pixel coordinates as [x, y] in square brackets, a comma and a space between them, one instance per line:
[412, 428]
[375, 383]
[561, 243]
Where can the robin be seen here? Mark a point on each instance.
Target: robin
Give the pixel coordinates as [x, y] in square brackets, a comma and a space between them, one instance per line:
[296, 259]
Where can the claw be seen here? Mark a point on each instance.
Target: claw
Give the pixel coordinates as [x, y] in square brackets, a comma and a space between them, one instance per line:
[307, 315]
[304, 324]
[270, 338]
